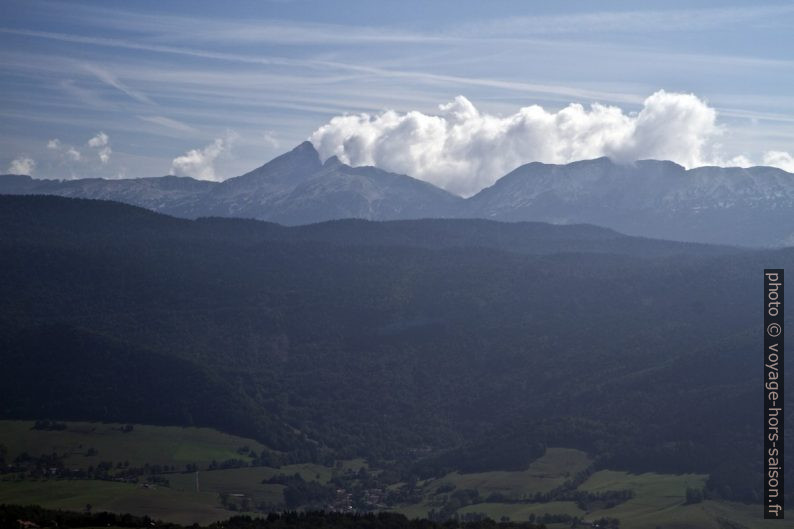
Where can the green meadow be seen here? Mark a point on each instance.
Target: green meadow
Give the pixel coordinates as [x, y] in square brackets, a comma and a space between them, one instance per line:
[155, 445]
[188, 497]
[544, 474]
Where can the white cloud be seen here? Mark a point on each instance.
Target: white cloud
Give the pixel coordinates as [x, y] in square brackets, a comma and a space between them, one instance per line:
[102, 142]
[67, 151]
[463, 150]
[22, 165]
[73, 154]
[738, 161]
[780, 159]
[646, 20]
[104, 154]
[168, 123]
[111, 80]
[200, 163]
[86, 97]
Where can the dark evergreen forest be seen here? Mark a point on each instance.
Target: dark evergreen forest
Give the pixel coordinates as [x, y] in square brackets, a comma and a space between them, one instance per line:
[427, 346]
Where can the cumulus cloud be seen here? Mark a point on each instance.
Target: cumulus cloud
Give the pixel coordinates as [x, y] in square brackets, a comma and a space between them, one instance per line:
[67, 151]
[101, 142]
[738, 161]
[22, 165]
[73, 154]
[780, 159]
[463, 150]
[200, 163]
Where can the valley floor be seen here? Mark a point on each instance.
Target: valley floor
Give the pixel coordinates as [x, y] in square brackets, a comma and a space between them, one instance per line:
[176, 484]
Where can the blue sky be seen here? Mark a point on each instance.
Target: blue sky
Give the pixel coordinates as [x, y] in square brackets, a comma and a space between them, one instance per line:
[238, 82]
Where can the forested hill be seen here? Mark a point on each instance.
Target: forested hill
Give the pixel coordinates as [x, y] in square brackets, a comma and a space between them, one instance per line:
[29, 217]
[441, 344]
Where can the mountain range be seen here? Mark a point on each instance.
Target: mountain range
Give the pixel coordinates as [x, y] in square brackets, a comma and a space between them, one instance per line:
[660, 199]
[430, 345]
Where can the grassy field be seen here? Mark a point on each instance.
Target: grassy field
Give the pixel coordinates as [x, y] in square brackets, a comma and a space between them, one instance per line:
[156, 445]
[159, 502]
[551, 470]
[248, 481]
[521, 511]
[658, 500]
[554, 468]
[658, 497]
[658, 503]
[182, 501]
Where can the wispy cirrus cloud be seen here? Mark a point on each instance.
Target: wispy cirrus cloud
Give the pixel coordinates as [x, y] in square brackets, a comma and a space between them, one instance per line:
[111, 80]
[626, 21]
[432, 77]
[168, 123]
[165, 27]
[84, 95]
[154, 78]
[322, 64]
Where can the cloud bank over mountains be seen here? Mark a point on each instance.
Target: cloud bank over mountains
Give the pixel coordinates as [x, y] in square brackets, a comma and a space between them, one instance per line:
[161, 85]
[464, 150]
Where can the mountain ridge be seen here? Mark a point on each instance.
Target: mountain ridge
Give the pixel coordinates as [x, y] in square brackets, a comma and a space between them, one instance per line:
[658, 199]
[525, 237]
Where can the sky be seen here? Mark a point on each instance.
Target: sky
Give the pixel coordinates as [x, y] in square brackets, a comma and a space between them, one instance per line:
[455, 93]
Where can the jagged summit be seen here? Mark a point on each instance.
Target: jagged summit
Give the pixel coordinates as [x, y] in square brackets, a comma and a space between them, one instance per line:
[333, 161]
[301, 160]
